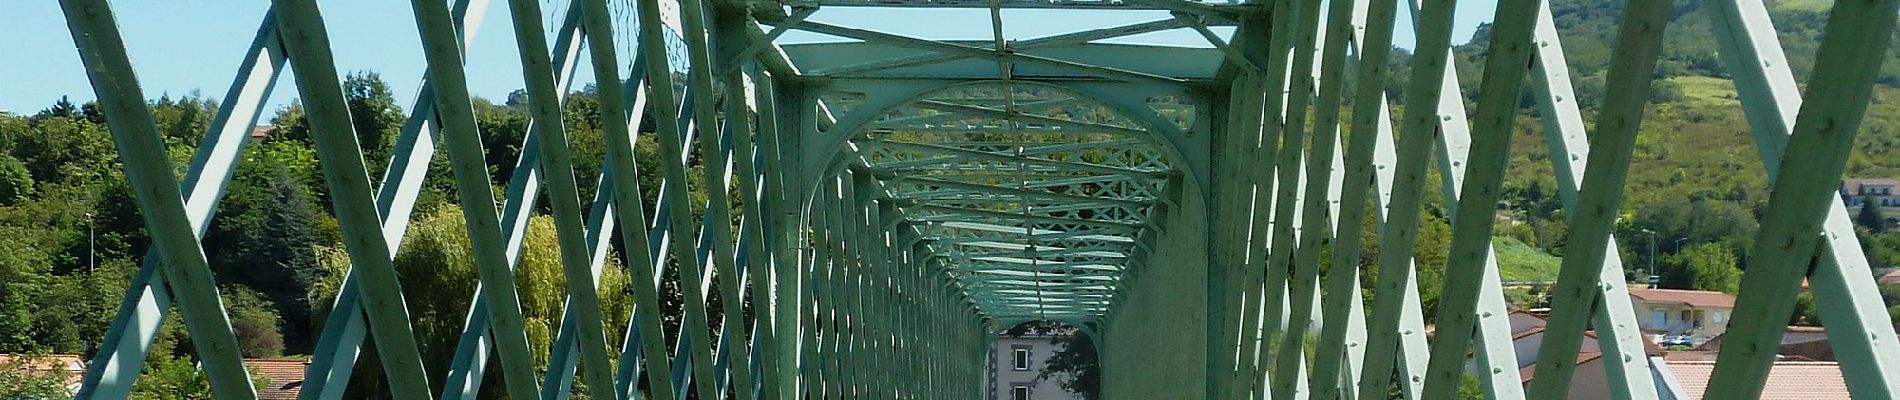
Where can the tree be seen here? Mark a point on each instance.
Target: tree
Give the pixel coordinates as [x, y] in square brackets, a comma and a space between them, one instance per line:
[16, 183]
[1706, 266]
[1870, 216]
[1075, 362]
[375, 115]
[254, 321]
[282, 264]
[32, 377]
[436, 266]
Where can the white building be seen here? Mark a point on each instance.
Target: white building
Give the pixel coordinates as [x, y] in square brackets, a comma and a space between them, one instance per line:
[1014, 364]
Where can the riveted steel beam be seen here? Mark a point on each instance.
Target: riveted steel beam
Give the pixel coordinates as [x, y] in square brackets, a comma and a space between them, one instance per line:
[95, 31]
[1822, 136]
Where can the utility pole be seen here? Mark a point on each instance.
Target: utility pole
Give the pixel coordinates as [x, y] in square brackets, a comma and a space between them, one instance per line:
[1652, 256]
[91, 248]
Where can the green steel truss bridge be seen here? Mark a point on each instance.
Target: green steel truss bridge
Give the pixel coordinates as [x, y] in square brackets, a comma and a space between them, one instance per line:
[903, 198]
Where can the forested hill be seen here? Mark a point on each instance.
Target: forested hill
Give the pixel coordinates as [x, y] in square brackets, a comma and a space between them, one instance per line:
[1696, 183]
[1589, 28]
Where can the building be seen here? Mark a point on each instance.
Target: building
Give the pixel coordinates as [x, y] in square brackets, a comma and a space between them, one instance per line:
[1787, 380]
[1697, 314]
[1855, 192]
[260, 133]
[282, 378]
[68, 368]
[1589, 380]
[1016, 361]
[279, 379]
[1797, 343]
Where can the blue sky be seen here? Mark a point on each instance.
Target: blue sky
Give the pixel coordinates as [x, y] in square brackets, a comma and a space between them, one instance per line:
[184, 46]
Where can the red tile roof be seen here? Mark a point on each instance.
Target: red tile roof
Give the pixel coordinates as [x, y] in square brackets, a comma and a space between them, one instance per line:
[1530, 371]
[1692, 298]
[1787, 380]
[285, 377]
[72, 366]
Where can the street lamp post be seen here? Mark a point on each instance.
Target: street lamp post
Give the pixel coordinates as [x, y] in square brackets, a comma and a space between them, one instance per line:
[91, 247]
[1679, 244]
[1652, 255]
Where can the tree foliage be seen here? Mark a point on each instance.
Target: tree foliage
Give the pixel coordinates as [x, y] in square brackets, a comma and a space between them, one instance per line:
[1707, 266]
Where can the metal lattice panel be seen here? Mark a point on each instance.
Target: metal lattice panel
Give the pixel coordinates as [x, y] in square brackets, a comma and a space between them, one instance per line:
[899, 198]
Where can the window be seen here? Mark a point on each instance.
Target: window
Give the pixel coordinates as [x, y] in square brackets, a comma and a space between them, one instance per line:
[1685, 316]
[1658, 317]
[1716, 317]
[1019, 392]
[1021, 359]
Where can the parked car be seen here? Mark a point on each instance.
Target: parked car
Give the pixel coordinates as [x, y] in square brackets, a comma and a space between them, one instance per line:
[1677, 340]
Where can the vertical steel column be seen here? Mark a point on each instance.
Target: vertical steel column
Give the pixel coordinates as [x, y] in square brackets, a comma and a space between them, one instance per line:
[148, 170]
[784, 206]
[759, 256]
[1823, 135]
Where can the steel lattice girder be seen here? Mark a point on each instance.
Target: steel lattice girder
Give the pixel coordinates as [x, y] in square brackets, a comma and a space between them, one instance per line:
[949, 208]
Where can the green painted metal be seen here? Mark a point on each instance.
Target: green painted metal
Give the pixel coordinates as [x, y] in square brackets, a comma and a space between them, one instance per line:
[640, 261]
[1617, 332]
[944, 199]
[1821, 137]
[700, 71]
[1369, 117]
[557, 171]
[307, 45]
[1396, 239]
[1292, 191]
[1316, 225]
[149, 172]
[122, 352]
[1255, 189]
[1638, 46]
[1509, 50]
[1767, 88]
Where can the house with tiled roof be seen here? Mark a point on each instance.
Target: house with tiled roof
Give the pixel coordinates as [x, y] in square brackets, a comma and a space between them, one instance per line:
[1702, 315]
[282, 378]
[1787, 380]
[1590, 378]
[1858, 191]
[70, 369]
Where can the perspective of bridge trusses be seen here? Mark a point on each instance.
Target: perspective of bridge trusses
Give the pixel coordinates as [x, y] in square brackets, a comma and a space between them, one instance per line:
[902, 198]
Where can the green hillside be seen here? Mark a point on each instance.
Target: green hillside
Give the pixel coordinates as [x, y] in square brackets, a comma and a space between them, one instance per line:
[1519, 262]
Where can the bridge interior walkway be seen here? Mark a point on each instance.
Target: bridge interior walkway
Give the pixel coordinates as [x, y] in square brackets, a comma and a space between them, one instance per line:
[901, 198]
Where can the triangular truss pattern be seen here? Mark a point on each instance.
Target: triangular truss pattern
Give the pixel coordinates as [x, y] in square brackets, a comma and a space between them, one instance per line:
[901, 200]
